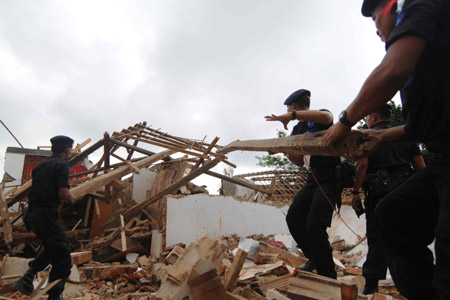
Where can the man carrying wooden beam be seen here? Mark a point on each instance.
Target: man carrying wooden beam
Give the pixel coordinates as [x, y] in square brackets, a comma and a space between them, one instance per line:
[50, 187]
[379, 174]
[312, 208]
[417, 62]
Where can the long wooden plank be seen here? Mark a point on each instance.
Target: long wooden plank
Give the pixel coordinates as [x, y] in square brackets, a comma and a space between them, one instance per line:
[356, 143]
[19, 193]
[134, 148]
[233, 274]
[104, 179]
[173, 187]
[86, 152]
[79, 146]
[43, 291]
[200, 160]
[239, 182]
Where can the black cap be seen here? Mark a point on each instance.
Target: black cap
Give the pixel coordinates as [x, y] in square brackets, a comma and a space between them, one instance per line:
[297, 95]
[369, 6]
[62, 140]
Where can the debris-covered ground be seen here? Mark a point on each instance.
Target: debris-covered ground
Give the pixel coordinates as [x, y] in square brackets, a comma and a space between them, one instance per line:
[117, 229]
[230, 268]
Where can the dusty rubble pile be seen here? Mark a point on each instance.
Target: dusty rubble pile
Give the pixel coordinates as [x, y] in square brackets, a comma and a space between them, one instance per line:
[118, 243]
[229, 268]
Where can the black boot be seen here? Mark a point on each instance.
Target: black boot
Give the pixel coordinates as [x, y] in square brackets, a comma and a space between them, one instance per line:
[371, 286]
[309, 266]
[25, 283]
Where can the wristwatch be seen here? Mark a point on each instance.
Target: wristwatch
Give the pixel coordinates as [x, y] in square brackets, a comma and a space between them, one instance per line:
[294, 114]
[343, 119]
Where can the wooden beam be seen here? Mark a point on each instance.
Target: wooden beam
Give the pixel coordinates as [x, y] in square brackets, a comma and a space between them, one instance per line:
[103, 168]
[104, 179]
[239, 182]
[206, 152]
[43, 291]
[19, 193]
[172, 188]
[86, 152]
[107, 149]
[134, 148]
[79, 146]
[356, 143]
[232, 276]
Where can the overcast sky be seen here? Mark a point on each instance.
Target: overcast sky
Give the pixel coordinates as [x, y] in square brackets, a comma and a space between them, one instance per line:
[190, 67]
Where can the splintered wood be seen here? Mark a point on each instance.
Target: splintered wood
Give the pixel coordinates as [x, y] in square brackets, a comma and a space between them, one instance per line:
[199, 258]
[356, 143]
[118, 241]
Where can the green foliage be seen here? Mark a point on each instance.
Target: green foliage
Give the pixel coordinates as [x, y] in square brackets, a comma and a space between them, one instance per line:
[276, 161]
[397, 116]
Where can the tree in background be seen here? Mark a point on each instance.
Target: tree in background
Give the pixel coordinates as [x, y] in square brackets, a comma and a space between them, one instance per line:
[277, 161]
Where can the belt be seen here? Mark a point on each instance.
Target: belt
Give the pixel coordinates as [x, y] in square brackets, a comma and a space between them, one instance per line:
[394, 169]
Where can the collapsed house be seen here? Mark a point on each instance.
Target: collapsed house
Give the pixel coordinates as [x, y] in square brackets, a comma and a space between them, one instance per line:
[141, 229]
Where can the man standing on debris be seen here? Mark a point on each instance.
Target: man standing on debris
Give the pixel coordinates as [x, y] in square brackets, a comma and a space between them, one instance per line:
[417, 62]
[50, 187]
[312, 208]
[379, 174]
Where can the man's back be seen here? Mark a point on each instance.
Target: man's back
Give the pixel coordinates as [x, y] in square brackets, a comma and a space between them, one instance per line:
[48, 176]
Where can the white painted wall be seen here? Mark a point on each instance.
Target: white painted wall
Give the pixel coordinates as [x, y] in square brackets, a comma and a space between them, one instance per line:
[142, 183]
[195, 216]
[14, 167]
[339, 229]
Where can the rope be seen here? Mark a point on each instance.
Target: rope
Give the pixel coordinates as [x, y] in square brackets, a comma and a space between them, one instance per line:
[322, 190]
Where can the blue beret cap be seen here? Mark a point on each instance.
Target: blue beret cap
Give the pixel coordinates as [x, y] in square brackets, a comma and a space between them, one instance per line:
[298, 95]
[368, 7]
[61, 140]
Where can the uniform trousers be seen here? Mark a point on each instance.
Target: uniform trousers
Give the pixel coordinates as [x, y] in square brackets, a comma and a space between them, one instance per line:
[309, 216]
[409, 219]
[375, 266]
[44, 222]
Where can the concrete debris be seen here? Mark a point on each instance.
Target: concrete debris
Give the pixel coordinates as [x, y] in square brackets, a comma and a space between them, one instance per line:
[118, 229]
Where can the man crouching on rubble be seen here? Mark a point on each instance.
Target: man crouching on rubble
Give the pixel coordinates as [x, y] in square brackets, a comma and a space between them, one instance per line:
[311, 211]
[50, 187]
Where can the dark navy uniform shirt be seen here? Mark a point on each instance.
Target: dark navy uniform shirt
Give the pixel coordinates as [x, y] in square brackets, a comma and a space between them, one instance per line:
[317, 161]
[426, 94]
[392, 157]
[49, 176]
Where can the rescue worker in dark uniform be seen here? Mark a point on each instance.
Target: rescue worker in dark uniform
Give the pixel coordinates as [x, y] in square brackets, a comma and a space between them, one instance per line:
[50, 187]
[417, 62]
[310, 212]
[379, 174]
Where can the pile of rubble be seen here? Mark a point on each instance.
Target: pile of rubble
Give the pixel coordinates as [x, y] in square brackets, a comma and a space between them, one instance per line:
[117, 231]
[229, 268]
